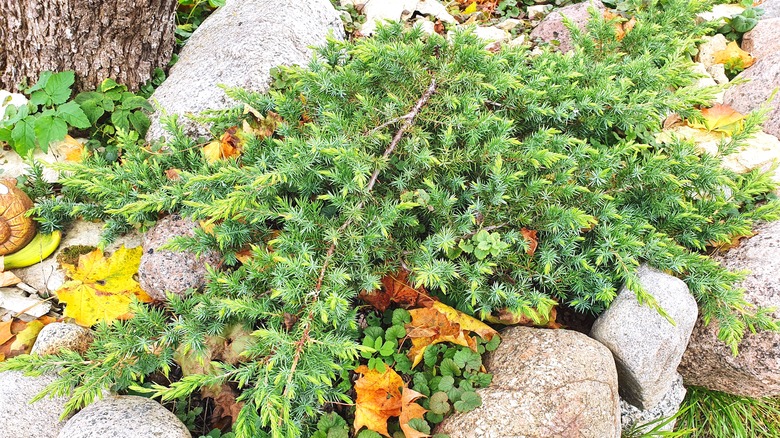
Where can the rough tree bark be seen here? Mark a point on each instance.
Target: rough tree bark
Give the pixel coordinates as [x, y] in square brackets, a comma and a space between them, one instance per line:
[121, 39]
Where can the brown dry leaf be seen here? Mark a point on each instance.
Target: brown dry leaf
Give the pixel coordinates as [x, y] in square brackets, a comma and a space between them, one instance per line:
[409, 411]
[396, 289]
[173, 174]
[378, 398]
[735, 241]
[720, 118]
[8, 278]
[441, 323]
[734, 55]
[100, 288]
[673, 120]
[228, 146]
[533, 242]
[226, 408]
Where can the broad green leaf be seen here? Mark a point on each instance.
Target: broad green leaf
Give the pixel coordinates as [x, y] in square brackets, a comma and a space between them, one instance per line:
[131, 102]
[468, 401]
[58, 86]
[140, 122]
[120, 119]
[439, 403]
[23, 136]
[72, 113]
[40, 97]
[49, 129]
[92, 110]
[43, 78]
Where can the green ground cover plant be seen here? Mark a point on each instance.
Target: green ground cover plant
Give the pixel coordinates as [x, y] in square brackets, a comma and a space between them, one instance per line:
[713, 414]
[501, 181]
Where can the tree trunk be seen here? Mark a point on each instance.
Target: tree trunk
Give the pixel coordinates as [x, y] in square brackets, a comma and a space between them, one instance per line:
[98, 39]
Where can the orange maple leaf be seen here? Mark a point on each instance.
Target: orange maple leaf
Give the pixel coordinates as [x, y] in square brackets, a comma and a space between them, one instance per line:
[441, 323]
[409, 411]
[228, 146]
[720, 118]
[533, 242]
[378, 398]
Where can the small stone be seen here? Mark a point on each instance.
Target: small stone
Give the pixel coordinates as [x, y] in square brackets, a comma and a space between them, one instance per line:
[718, 73]
[434, 9]
[7, 98]
[537, 12]
[508, 24]
[764, 39]
[719, 13]
[631, 415]
[710, 46]
[544, 381]
[516, 42]
[59, 336]
[552, 27]
[648, 347]
[763, 77]
[124, 416]
[20, 418]
[491, 34]
[755, 372]
[427, 26]
[706, 80]
[379, 11]
[162, 270]
[761, 151]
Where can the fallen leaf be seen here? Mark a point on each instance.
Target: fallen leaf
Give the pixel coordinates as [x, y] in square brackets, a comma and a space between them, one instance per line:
[441, 323]
[409, 411]
[719, 118]
[173, 174]
[396, 289]
[26, 338]
[533, 242]
[673, 120]
[100, 288]
[470, 9]
[5, 331]
[378, 398]
[8, 278]
[72, 149]
[226, 408]
[228, 146]
[622, 27]
[734, 56]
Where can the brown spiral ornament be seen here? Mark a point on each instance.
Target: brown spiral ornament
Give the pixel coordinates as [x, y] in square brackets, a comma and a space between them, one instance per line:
[16, 229]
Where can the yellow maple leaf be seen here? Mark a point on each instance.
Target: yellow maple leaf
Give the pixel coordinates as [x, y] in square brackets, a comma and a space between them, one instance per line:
[71, 149]
[100, 288]
[734, 56]
[378, 398]
[228, 146]
[441, 323]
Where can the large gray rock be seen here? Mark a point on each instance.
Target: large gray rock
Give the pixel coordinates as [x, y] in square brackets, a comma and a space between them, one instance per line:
[764, 77]
[648, 347]
[61, 335]
[124, 416]
[634, 417]
[771, 9]
[47, 276]
[546, 383]
[162, 270]
[764, 39]
[19, 418]
[237, 46]
[552, 27]
[755, 372]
